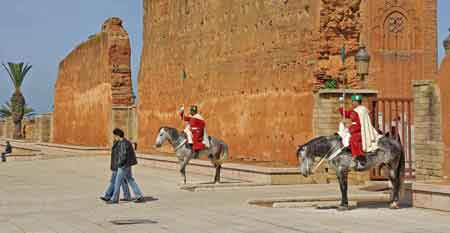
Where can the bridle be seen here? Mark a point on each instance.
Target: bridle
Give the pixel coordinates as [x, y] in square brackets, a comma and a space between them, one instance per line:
[175, 144]
[322, 159]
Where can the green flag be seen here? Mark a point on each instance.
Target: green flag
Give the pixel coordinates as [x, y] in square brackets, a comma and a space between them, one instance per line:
[183, 75]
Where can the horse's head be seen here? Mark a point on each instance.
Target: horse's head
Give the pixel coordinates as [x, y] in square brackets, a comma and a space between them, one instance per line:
[162, 136]
[306, 160]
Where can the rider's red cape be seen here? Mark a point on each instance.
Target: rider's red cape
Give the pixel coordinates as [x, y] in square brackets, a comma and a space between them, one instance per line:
[197, 124]
[355, 131]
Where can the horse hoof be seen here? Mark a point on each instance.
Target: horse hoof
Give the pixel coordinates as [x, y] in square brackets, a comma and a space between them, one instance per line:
[394, 206]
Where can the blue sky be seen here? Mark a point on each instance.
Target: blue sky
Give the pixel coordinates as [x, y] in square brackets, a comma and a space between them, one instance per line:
[43, 32]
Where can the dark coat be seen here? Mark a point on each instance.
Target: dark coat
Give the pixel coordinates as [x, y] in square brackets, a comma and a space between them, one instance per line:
[122, 155]
[8, 149]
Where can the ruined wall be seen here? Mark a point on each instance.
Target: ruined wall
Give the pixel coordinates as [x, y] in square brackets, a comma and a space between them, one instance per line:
[2, 128]
[38, 128]
[6, 128]
[444, 91]
[401, 38]
[92, 78]
[248, 68]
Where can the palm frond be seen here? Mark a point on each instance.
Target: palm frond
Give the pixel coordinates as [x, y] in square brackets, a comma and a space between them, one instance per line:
[17, 72]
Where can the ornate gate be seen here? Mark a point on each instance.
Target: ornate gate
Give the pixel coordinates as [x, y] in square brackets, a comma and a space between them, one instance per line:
[394, 116]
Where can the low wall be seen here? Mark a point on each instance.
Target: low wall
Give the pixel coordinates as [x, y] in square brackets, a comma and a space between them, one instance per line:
[35, 129]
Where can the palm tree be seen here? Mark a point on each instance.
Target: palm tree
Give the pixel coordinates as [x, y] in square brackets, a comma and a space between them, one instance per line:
[5, 111]
[17, 73]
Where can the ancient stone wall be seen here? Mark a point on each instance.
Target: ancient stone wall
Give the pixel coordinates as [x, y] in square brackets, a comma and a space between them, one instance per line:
[92, 78]
[39, 128]
[2, 128]
[247, 65]
[444, 91]
[401, 38]
[6, 128]
[428, 143]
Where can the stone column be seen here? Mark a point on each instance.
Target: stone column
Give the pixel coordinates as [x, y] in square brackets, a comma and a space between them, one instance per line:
[428, 143]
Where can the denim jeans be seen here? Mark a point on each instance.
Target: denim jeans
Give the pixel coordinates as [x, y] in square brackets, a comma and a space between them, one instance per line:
[125, 173]
[110, 190]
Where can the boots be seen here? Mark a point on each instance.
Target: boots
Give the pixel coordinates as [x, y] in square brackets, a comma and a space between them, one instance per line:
[189, 146]
[359, 163]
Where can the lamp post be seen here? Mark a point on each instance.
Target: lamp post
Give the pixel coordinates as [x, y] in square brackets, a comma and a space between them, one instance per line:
[447, 44]
[362, 59]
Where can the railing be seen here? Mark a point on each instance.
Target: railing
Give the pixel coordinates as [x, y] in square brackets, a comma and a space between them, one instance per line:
[393, 116]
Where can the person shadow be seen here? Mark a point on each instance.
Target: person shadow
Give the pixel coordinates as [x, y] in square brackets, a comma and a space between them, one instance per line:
[149, 199]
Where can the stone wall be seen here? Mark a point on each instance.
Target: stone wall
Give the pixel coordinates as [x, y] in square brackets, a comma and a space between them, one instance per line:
[92, 79]
[250, 67]
[444, 91]
[428, 143]
[326, 118]
[6, 128]
[36, 129]
[124, 117]
[401, 38]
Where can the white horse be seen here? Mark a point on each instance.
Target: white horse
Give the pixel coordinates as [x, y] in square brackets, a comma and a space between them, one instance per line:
[217, 151]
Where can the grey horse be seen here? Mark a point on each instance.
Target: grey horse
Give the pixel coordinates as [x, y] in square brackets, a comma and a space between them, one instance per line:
[217, 152]
[389, 155]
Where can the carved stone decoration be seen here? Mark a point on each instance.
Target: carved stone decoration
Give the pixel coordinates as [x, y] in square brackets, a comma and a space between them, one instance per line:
[391, 3]
[398, 35]
[396, 22]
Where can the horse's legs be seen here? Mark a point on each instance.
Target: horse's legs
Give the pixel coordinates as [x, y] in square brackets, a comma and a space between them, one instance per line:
[183, 165]
[395, 181]
[342, 177]
[217, 176]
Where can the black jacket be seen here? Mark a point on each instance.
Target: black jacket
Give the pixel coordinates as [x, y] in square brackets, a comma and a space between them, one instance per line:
[8, 149]
[122, 155]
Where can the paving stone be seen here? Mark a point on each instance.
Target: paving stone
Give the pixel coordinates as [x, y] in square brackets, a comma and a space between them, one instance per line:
[61, 195]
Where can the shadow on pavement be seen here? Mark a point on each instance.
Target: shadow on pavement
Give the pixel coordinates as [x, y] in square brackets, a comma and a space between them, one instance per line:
[133, 221]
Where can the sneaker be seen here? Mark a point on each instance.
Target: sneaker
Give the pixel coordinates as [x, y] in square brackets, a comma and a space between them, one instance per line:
[112, 202]
[126, 199]
[139, 200]
[104, 198]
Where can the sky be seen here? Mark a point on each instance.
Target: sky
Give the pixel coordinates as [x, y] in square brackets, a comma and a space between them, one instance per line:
[43, 32]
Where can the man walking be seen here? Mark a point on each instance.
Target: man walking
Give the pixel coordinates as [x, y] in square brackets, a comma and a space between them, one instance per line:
[8, 150]
[126, 158]
[110, 190]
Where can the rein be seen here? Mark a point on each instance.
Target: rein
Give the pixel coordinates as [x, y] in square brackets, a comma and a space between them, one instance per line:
[180, 144]
[326, 156]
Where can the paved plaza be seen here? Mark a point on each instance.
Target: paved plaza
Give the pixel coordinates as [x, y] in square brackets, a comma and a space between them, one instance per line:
[61, 195]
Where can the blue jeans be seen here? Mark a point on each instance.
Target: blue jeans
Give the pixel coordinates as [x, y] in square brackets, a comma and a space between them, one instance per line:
[110, 190]
[125, 173]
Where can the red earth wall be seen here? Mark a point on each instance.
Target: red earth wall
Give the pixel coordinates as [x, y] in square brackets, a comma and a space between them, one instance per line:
[247, 64]
[92, 78]
[444, 89]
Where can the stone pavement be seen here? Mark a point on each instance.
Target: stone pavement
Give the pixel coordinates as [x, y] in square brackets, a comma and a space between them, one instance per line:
[61, 195]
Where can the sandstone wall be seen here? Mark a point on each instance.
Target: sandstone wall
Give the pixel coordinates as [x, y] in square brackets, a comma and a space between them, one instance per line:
[38, 128]
[428, 140]
[6, 128]
[444, 91]
[401, 38]
[248, 67]
[92, 78]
